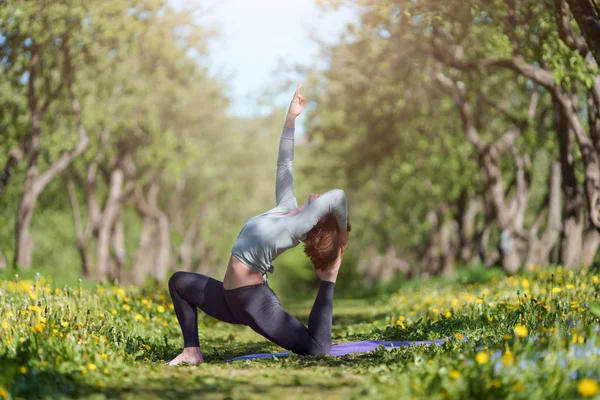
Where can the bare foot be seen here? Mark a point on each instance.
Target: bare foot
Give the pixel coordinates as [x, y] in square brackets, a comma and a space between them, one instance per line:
[189, 355]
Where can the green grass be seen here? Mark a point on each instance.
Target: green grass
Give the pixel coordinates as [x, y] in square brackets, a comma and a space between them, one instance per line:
[68, 342]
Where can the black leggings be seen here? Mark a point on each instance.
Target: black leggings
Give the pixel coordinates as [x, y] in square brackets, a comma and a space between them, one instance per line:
[255, 306]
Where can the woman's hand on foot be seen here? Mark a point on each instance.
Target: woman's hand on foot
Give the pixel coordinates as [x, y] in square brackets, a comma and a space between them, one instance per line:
[189, 355]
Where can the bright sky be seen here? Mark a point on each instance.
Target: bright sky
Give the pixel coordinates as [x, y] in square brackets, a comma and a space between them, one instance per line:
[257, 36]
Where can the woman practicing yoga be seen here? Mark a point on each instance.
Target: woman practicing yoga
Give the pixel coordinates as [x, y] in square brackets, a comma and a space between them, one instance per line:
[244, 296]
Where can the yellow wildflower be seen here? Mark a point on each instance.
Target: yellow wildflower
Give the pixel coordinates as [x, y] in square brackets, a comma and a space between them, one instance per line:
[3, 393]
[4, 325]
[459, 336]
[508, 358]
[145, 346]
[521, 331]
[34, 308]
[160, 309]
[126, 307]
[482, 357]
[454, 374]
[91, 367]
[587, 387]
[138, 317]
[99, 384]
[64, 324]
[113, 311]
[570, 286]
[556, 290]
[23, 370]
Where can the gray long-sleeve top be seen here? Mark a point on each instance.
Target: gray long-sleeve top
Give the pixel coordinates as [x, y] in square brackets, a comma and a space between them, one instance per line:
[264, 237]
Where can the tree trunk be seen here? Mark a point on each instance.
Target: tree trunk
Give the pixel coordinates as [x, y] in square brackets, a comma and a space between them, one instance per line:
[591, 240]
[163, 256]
[540, 249]
[111, 210]
[431, 256]
[572, 234]
[3, 263]
[79, 232]
[588, 19]
[469, 207]
[144, 265]
[449, 245]
[24, 242]
[118, 247]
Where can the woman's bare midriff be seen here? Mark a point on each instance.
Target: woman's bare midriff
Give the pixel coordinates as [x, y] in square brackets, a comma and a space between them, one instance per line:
[239, 275]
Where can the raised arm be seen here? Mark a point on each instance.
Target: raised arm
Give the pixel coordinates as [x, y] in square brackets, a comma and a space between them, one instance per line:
[284, 186]
[333, 201]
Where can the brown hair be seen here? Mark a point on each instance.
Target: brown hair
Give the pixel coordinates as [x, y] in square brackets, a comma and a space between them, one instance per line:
[323, 242]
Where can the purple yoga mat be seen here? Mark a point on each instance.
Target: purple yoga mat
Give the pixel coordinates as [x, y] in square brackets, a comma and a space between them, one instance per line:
[356, 347]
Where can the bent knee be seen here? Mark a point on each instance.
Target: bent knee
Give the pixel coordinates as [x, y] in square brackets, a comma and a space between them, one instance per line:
[176, 279]
[182, 279]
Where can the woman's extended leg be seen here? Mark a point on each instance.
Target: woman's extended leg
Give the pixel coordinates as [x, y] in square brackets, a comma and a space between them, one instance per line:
[190, 291]
[259, 308]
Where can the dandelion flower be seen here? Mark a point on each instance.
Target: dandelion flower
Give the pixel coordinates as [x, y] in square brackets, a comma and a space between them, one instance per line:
[160, 309]
[4, 325]
[23, 370]
[508, 358]
[521, 331]
[482, 357]
[138, 317]
[587, 387]
[3, 393]
[92, 367]
[454, 374]
[556, 290]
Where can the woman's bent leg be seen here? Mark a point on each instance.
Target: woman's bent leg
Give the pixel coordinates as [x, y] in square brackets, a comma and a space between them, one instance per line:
[190, 291]
[259, 308]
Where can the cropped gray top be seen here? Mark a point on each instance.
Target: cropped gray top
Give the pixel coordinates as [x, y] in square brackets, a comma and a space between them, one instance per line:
[264, 237]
